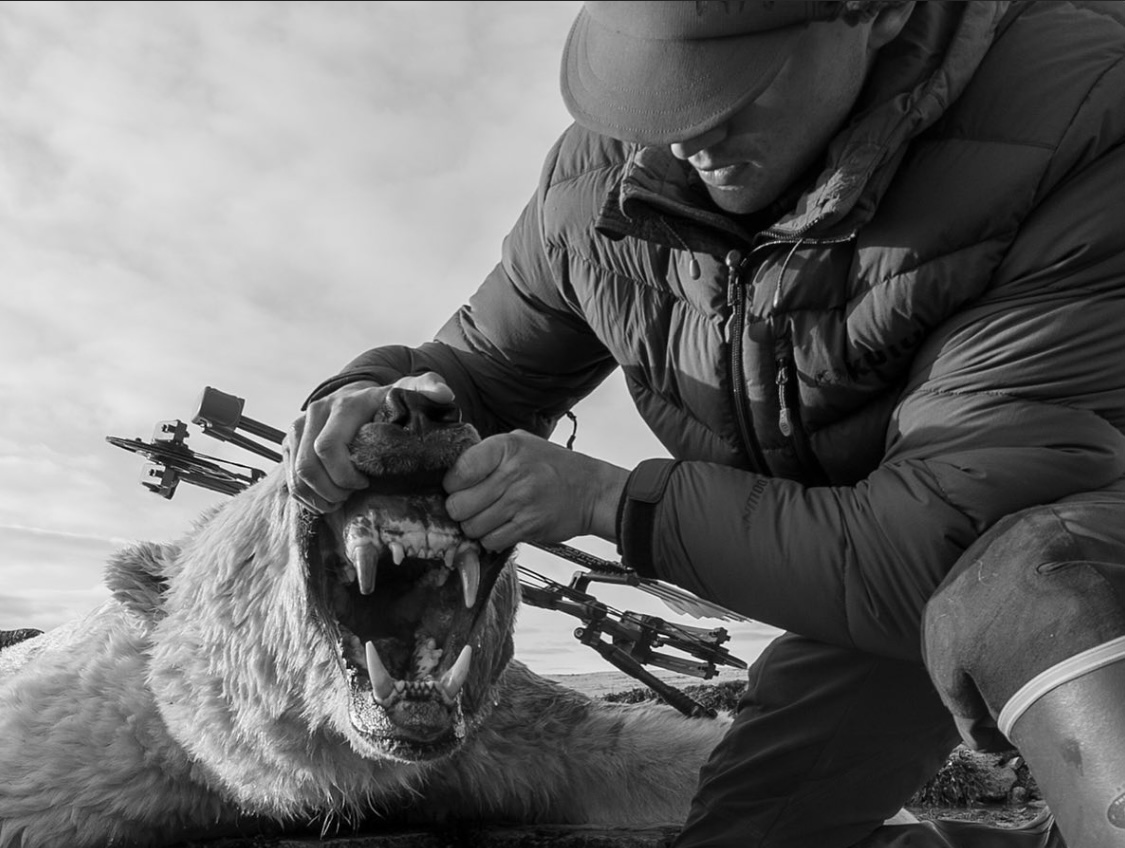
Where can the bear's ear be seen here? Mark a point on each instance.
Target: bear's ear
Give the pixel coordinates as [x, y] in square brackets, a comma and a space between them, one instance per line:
[138, 575]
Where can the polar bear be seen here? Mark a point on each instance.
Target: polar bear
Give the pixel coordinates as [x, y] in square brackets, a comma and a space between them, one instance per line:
[275, 667]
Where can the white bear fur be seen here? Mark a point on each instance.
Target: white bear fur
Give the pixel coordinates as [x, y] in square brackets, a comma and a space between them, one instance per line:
[204, 700]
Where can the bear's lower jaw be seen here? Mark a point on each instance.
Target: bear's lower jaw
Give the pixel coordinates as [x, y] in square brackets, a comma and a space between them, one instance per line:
[417, 726]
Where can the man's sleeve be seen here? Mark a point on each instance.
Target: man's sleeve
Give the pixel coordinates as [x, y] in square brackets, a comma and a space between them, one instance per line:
[518, 354]
[1018, 400]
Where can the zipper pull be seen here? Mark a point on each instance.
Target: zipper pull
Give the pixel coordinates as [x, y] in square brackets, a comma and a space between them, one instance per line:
[733, 260]
[784, 423]
[784, 415]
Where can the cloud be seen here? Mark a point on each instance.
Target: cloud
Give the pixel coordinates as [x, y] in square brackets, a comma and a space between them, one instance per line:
[246, 196]
[50, 577]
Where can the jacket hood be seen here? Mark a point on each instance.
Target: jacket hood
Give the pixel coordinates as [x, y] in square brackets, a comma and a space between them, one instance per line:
[915, 79]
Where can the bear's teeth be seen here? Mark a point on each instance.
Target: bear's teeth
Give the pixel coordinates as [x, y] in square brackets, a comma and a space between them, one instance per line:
[411, 538]
[454, 679]
[362, 548]
[364, 556]
[386, 690]
[383, 686]
[440, 538]
[467, 561]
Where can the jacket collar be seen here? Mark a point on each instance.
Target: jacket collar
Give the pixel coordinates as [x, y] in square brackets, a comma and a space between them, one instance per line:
[916, 77]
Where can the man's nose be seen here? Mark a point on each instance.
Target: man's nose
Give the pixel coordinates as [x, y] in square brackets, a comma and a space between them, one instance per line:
[689, 147]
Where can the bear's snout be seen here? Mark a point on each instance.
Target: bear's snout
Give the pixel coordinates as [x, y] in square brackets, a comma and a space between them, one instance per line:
[417, 412]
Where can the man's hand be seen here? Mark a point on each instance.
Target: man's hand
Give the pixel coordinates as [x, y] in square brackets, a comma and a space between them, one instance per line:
[321, 474]
[517, 487]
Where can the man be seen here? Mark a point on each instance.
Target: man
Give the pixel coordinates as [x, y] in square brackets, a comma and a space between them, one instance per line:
[863, 266]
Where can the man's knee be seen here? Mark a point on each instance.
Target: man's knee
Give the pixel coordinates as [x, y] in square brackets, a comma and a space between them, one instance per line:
[1040, 587]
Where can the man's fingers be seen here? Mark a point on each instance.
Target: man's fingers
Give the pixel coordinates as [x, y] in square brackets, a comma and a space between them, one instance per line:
[292, 438]
[298, 488]
[321, 474]
[502, 537]
[495, 526]
[429, 384]
[299, 491]
[475, 465]
[331, 449]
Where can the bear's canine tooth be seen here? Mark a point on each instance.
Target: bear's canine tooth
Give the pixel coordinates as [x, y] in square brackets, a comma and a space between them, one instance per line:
[454, 678]
[363, 555]
[383, 686]
[468, 567]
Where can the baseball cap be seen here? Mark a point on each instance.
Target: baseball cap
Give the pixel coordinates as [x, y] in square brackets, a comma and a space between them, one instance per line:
[668, 70]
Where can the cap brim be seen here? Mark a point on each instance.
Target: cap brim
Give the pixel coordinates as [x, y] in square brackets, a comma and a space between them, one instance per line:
[655, 91]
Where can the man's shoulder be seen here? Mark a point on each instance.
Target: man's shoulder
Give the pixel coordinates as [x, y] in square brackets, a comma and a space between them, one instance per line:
[579, 175]
[1052, 68]
[1044, 104]
[582, 161]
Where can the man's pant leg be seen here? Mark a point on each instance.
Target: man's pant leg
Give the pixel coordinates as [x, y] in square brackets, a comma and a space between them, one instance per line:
[1033, 618]
[827, 743]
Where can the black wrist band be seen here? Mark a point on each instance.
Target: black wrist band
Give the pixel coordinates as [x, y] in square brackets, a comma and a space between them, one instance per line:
[636, 513]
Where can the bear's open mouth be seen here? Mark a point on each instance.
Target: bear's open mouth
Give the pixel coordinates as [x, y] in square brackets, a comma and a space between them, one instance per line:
[403, 585]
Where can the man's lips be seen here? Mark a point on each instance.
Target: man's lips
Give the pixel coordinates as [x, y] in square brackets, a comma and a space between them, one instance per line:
[722, 176]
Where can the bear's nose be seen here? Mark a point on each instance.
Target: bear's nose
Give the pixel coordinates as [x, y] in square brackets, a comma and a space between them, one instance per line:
[418, 413]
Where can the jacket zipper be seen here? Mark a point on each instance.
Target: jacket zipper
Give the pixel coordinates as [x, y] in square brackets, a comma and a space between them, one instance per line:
[789, 412]
[736, 300]
[785, 413]
[788, 393]
[789, 418]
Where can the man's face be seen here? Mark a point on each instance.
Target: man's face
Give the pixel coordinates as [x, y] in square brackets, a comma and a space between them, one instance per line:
[747, 162]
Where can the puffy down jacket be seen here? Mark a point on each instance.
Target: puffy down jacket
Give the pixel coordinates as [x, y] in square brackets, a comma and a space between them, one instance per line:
[928, 336]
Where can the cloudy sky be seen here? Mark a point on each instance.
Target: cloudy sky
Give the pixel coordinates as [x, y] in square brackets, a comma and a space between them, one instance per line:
[246, 195]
